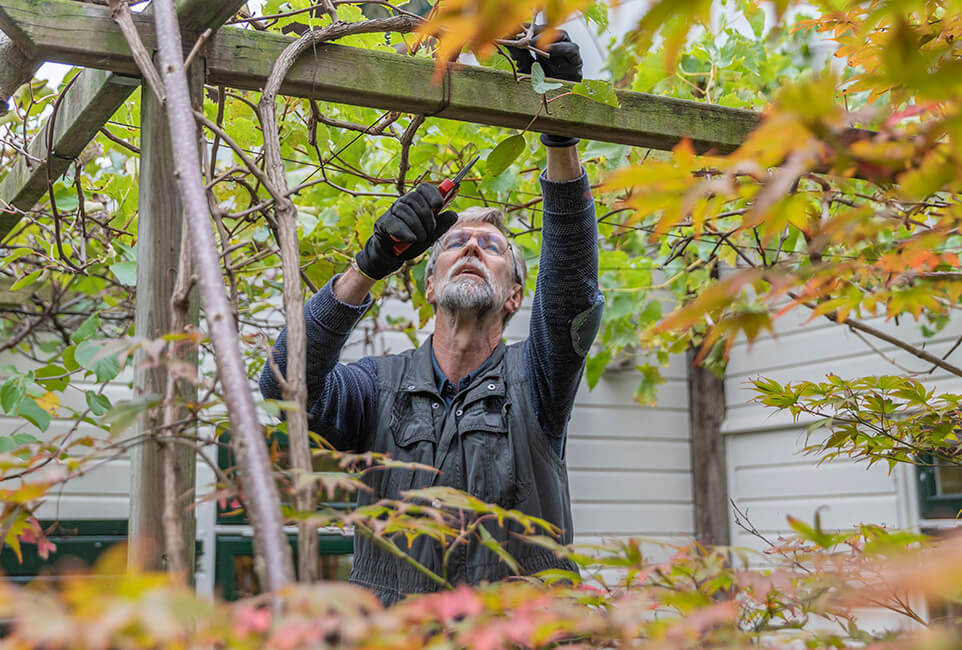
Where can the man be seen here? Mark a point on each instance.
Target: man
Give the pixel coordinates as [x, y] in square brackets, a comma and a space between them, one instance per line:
[490, 417]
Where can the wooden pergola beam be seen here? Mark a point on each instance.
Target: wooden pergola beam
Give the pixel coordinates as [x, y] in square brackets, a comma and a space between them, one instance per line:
[243, 59]
[16, 69]
[95, 95]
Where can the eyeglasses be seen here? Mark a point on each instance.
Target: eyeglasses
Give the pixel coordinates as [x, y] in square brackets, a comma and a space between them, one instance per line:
[490, 242]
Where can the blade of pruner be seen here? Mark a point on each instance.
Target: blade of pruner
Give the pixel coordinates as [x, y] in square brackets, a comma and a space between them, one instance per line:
[464, 170]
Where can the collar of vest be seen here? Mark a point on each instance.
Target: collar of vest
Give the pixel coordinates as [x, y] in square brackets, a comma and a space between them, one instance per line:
[419, 375]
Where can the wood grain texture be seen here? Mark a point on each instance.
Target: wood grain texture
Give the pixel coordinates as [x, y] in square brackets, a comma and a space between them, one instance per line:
[93, 94]
[16, 69]
[706, 394]
[243, 59]
[158, 250]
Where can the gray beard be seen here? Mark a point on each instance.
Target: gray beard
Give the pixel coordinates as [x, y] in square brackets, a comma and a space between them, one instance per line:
[468, 295]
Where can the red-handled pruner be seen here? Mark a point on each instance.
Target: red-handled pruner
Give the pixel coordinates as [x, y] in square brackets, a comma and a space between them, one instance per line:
[449, 188]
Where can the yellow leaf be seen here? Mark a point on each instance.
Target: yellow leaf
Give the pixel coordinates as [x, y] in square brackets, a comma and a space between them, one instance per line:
[49, 402]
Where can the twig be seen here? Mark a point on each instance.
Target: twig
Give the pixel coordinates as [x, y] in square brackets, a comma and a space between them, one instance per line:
[199, 43]
[406, 139]
[123, 143]
[911, 349]
[120, 12]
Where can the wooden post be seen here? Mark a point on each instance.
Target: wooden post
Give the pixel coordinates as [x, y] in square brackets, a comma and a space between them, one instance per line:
[706, 409]
[158, 251]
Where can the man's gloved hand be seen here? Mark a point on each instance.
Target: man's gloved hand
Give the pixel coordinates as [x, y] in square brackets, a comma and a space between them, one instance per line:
[410, 220]
[563, 62]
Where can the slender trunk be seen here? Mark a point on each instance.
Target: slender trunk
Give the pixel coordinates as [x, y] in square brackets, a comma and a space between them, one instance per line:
[173, 501]
[294, 385]
[261, 498]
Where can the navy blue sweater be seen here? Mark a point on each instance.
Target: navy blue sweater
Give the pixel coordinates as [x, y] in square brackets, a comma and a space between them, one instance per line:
[342, 398]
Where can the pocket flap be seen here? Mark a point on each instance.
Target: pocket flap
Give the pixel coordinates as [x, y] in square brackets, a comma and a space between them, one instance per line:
[481, 420]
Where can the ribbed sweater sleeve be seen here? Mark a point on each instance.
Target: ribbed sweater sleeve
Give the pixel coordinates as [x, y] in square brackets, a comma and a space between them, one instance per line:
[341, 398]
[567, 304]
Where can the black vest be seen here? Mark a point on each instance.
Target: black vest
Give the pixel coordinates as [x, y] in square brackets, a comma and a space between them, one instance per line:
[488, 443]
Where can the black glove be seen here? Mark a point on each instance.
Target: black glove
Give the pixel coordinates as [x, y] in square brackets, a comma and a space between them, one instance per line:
[563, 62]
[410, 220]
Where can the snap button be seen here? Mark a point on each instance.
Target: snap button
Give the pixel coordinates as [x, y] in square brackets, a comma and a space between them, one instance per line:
[459, 412]
[491, 386]
[411, 387]
[434, 405]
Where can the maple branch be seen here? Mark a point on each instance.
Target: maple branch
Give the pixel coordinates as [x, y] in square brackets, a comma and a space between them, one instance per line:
[879, 334]
[120, 12]
[272, 550]
[285, 215]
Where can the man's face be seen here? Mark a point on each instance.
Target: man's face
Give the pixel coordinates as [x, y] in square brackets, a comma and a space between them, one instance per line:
[473, 273]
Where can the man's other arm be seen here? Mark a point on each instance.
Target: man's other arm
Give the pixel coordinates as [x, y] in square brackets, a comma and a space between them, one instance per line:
[341, 398]
[567, 305]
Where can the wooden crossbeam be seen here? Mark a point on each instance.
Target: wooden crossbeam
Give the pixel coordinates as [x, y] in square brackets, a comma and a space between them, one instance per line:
[81, 114]
[86, 106]
[15, 69]
[243, 59]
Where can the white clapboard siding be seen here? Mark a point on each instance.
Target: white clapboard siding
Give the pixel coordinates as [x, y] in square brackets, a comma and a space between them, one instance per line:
[769, 476]
[101, 489]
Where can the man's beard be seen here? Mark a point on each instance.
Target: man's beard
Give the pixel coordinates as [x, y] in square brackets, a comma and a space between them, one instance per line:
[468, 294]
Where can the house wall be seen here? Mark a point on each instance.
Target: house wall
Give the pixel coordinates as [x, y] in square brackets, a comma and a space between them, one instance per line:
[769, 475]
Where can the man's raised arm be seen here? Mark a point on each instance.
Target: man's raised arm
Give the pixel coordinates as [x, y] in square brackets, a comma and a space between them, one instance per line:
[567, 306]
[341, 398]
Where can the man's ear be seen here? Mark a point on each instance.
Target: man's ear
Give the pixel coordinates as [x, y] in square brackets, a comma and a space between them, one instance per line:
[513, 303]
[429, 289]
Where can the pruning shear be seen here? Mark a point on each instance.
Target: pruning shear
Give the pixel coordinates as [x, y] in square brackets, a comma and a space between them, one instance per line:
[449, 188]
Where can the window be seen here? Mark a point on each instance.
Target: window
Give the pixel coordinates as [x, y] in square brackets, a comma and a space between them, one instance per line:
[234, 575]
[940, 489]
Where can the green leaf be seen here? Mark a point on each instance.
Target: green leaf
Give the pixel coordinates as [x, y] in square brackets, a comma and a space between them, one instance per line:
[598, 14]
[504, 154]
[596, 365]
[126, 273]
[96, 356]
[7, 444]
[597, 90]
[87, 329]
[26, 280]
[52, 377]
[11, 394]
[69, 361]
[98, 404]
[24, 439]
[123, 415]
[492, 544]
[538, 82]
[32, 411]
[16, 254]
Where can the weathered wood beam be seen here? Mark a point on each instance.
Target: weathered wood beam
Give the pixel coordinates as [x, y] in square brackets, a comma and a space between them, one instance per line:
[243, 58]
[159, 225]
[16, 69]
[93, 97]
[709, 481]
[87, 104]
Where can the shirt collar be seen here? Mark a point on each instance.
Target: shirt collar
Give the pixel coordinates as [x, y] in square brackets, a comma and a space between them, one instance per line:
[442, 381]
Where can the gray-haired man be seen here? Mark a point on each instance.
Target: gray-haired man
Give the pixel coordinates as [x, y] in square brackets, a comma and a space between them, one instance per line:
[491, 417]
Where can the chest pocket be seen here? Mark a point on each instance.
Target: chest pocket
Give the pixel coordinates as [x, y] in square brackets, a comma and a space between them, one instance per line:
[490, 470]
[412, 430]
